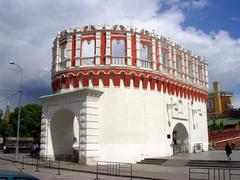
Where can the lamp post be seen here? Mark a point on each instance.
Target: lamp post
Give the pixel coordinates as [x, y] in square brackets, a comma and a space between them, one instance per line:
[19, 108]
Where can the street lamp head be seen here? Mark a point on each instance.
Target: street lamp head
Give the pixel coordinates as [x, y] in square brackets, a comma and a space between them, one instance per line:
[11, 62]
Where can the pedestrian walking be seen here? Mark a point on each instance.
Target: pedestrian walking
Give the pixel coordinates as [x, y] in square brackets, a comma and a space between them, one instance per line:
[228, 150]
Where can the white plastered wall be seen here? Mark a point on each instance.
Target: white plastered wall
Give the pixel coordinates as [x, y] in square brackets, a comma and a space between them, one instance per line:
[134, 123]
[128, 124]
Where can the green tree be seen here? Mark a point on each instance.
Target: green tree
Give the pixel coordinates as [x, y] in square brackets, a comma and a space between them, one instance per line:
[30, 125]
[1, 115]
[6, 129]
[213, 126]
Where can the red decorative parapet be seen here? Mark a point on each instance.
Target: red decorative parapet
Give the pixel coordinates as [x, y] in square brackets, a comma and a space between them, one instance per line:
[221, 137]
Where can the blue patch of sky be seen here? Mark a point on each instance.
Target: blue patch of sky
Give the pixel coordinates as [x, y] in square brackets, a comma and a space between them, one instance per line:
[218, 15]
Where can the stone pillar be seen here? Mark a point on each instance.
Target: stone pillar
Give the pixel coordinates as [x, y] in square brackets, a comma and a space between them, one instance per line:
[89, 129]
[170, 60]
[58, 57]
[160, 56]
[108, 48]
[173, 62]
[194, 69]
[68, 51]
[186, 66]
[78, 50]
[98, 48]
[55, 57]
[45, 124]
[129, 48]
[183, 65]
[206, 73]
[202, 72]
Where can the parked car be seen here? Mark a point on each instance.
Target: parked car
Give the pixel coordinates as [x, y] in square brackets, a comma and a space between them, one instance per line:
[15, 175]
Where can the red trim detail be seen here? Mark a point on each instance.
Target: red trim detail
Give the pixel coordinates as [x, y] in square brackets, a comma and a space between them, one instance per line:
[73, 50]
[127, 80]
[116, 80]
[159, 85]
[85, 81]
[76, 81]
[164, 87]
[169, 85]
[95, 80]
[152, 84]
[145, 83]
[134, 61]
[67, 82]
[103, 47]
[106, 80]
[136, 81]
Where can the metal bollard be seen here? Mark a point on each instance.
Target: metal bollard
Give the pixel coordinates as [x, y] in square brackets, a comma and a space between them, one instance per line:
[97, 178]
[58, 168]
[37, 166]
[23, 162]
[49, 164]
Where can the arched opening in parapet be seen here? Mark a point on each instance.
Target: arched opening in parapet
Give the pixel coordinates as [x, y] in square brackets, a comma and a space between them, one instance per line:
[71, 81]
[64, 131]
[180, 139]
[122, 79]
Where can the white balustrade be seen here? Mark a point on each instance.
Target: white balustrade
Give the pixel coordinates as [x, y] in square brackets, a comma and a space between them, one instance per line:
[144, 64]
[88, 61]
[118, 60]
[165, 69]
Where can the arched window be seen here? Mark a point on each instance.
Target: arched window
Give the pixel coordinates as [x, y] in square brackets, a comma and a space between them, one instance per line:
[118, 48]
[178, 67]
[164, 62]
[88, 52]
[111, 80]
[71, 82]
[88, 47]
[63, 84]
[63, 52]
[80, 81]
[132, 80]
[90, 79]
[200, 74]
[101, 80]
[122, 80]
[144, 52]
[118, 52]
[62, 61]
[164, 59]
[190, 71]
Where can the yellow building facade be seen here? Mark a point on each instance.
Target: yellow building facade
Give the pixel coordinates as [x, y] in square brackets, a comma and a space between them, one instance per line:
[218, 101]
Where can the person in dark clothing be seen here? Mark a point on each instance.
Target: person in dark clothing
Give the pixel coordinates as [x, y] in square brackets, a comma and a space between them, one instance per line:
[228, 150]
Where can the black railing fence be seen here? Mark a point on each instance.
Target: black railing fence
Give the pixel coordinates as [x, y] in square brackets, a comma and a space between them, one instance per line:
[214, 173]
[45, 162]
[114, 169]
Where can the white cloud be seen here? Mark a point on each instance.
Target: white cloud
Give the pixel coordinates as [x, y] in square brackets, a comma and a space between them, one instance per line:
[28, 28]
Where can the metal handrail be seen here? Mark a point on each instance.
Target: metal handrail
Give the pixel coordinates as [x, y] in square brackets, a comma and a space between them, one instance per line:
[114, 168]
[213, 173]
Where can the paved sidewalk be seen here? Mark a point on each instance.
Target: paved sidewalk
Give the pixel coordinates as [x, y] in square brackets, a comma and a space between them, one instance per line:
[70, 170]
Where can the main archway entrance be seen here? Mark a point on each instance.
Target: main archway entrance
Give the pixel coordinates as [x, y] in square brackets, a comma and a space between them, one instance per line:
[180, 139]
[62, 134]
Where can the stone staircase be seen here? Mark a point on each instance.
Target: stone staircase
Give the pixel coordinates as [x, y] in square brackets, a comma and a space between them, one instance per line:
[156, 161]
[214, 163]
[164, 162]
[187, 162]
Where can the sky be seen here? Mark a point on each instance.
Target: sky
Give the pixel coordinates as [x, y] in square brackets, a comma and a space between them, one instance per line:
[208, 28]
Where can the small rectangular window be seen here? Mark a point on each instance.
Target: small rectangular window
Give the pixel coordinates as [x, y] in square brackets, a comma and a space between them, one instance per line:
[88, 47]
[145, 52]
